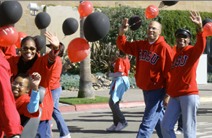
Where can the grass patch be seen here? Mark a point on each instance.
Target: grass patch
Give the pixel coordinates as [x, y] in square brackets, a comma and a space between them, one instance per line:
[75, 100]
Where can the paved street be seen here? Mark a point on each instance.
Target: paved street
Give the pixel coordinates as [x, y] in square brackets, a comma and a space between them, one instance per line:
[92, 124]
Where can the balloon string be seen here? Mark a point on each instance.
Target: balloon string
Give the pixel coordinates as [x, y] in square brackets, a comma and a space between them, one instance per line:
[135, 23]
[64, 37]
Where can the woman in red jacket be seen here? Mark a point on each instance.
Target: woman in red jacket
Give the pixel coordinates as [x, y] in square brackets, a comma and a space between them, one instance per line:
[182, 86]
[30, 62]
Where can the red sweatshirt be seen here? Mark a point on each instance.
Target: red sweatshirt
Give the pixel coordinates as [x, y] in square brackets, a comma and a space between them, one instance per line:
[40, 66]
[9, 117]
[183, 70]
[153, 61]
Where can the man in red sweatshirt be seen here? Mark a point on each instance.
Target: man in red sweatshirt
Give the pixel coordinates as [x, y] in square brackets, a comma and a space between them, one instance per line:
[182, 85]
[153, 61]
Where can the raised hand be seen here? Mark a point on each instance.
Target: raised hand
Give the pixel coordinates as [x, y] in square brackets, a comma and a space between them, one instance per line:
[53, 39]
[124, 26]
[196, 18]
[35, 79]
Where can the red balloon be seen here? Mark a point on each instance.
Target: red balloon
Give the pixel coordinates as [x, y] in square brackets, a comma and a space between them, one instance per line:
[85, 8]
[78, 49]
[8, 36]
[21, 36]
[151, 12]
[207, 29]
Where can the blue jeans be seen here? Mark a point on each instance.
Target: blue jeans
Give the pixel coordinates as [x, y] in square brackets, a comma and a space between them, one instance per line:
[44, 130]
[153, 113]
[185, 105]
[61, 125]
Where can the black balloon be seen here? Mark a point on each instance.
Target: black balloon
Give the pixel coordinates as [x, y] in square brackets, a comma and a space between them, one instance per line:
[70, 26]
[96, 26]
[207, 20]
[42, 20]
[134, 22]
[40, 42]
[169, 3]
[10, 12]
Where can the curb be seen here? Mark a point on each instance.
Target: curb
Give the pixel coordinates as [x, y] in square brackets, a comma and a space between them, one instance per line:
[88, 107]
[64, 108]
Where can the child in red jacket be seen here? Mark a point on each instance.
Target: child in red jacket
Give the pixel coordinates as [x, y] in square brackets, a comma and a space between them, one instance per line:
[119, 86]
[26, 105]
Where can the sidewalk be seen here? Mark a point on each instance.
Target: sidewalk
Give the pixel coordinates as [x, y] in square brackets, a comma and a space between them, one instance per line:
[131, 98]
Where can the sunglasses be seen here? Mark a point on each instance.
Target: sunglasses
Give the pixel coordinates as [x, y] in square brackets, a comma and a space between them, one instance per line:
[28, 48]
[182, 36]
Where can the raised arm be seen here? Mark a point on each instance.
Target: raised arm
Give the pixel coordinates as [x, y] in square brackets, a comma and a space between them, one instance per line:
[55, 47]
[124, 26]
[33, 105]
[200, 44]
[196, 18]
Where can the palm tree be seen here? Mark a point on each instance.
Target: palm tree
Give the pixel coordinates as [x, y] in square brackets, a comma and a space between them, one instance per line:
[85, 87]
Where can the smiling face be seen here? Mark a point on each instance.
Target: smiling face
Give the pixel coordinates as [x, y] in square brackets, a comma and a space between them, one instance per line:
[20, 86]
[182, 41]
[28, 49]
[153, 31]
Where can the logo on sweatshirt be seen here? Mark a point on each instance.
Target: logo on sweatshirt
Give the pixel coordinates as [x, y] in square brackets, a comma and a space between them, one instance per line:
[180, 61]
[148, 56]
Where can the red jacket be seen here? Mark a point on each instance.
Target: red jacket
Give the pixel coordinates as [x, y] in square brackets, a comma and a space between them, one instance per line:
[21, 105]
[183, 70]
[56, 73]
[9, 116]
[40, 66]
[153, 61]
[122, 65]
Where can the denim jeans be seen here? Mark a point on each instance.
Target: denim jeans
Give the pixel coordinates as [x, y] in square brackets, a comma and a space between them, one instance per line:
[153, 113]
[61, 125]
[185, 105]
[44, 130]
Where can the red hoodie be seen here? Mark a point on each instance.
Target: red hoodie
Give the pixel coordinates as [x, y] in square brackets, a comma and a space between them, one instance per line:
[9, 117]
[153, 61]
[183, 70]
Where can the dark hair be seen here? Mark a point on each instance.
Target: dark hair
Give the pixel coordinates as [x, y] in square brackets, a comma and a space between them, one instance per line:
[62, 48]
[23, 41]
[122, 54]
[23, 75]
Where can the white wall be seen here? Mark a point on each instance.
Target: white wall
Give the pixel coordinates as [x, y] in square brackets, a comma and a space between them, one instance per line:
[202, 70]
[58, 15]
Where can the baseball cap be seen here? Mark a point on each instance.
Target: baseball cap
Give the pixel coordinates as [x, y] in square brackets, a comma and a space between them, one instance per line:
[182, 33]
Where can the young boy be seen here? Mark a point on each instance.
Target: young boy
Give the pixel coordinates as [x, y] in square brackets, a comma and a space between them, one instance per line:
[26, 105]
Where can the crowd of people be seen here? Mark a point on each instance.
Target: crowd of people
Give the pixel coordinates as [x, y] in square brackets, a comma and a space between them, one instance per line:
[30, 74]
[159, 67]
